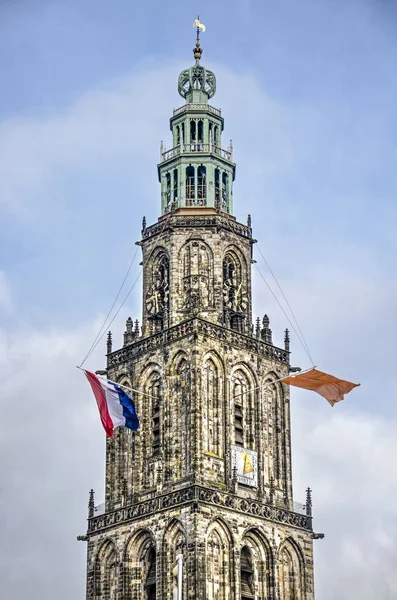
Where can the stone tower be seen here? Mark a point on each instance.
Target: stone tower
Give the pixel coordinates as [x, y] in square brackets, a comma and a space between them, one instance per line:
[198, 503]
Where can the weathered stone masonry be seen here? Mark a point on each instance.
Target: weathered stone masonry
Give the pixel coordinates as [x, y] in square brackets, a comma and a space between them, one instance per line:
[208, 474]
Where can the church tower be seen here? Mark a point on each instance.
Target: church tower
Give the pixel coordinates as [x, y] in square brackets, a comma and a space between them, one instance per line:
[198, 503]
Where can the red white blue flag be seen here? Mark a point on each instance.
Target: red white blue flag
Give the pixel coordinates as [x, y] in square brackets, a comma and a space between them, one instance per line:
[115, 406]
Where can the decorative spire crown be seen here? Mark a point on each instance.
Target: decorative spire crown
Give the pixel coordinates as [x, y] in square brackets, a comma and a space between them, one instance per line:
[197, 84]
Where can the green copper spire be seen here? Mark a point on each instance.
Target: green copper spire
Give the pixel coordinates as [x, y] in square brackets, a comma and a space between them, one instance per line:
[197, 173]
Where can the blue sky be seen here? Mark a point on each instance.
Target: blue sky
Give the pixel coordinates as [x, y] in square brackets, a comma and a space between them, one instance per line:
[308, 91]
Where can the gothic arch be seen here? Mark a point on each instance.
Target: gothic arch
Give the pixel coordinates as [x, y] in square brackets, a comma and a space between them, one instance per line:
[235, 289]
[212, 379]
[106, 578]
[197, 275]
[140, 558]
[237, 260]
[261, 580]
[243, 383]
[157, 281]
[219, 561]
[174, 544]
[291, 571]
[178, 418]
[152, 384]
[274, 400]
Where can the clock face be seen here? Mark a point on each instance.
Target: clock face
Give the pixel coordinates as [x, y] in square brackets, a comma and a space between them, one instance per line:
[157, 298]
[246, 464]
[235, 296]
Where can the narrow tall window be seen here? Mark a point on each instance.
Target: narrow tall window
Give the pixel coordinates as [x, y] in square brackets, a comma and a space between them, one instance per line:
[150, 583]
[216, 135]
[246, 575]
[176, 186]
[217, 188]
[239, 393]
[201, 186]
[193, 130]
[224, 203]
[168, 190]
[154, 391]
[178, 136]
[200, 132]
[190, 185]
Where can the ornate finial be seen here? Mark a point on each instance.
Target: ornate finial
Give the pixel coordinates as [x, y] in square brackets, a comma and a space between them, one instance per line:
[128, 335]
[143, 223]
[249, 221]
[309, 503]
[197, 51]
[91, 505]
[286, 340]
[258, 327]
[266, 331]
[136, 330]
[109, 343]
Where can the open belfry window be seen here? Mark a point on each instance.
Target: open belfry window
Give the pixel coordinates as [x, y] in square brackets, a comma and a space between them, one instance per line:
[246, 575]
[238, 396]
[156, 424]
[190, 185]
[150, 583]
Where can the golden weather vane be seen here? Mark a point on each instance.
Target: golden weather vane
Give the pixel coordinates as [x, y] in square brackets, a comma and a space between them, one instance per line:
[199, 25]
[197, 51]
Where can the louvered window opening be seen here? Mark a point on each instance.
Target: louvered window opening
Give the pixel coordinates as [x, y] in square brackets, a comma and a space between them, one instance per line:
[238, 425]
[246, 578]
[150, 586]
[156, 430]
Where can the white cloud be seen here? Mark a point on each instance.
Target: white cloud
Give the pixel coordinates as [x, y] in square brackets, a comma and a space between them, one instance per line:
[5, 293]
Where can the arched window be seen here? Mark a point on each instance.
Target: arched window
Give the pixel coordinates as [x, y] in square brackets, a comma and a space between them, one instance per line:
[235, 295]
[178, 135]
[197, 263]
[290, 574]
[174, 545]
[193, 130]
[200, 132]
[150, 579]
[176, 186]
[244, 421]
[219, 564]
[168, 190]
[139, 577]
[183, 132]
[212, 407]
[154, 390]
[246, 575]
[157, 294]
[225, 193]
[106, 576]
[216, 129]
[190, 186]
[217, 188]
[201, 186]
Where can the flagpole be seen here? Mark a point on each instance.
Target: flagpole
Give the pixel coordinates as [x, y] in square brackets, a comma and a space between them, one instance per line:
[121, 385]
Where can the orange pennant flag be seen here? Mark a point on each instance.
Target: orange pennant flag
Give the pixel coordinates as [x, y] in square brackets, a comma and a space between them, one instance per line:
[328, 386]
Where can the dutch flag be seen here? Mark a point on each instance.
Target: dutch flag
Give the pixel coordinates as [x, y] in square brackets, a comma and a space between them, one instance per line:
[115, 406]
